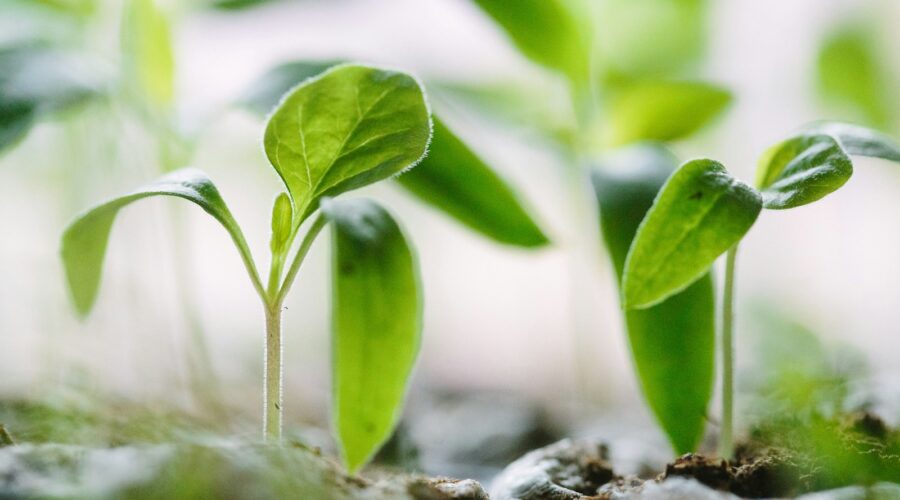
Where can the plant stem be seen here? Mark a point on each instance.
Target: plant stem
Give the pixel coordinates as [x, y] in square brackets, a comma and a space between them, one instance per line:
[272, 399]
[273, 298]
[726, 445]
[307, 242]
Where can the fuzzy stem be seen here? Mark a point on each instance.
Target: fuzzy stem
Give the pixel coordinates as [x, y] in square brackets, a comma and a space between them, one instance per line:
[273, 397]
[726, 444]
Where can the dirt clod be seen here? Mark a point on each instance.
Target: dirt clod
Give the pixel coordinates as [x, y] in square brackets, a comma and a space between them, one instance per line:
[713, 472]
[442, 488]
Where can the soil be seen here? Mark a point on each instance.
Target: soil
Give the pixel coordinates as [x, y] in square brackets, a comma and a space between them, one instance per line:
[839, 455]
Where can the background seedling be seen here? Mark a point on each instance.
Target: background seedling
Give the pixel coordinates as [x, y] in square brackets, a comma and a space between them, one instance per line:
[702, 212]
[349, 127]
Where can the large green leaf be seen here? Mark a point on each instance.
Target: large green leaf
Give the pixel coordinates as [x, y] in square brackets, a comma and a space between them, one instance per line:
[662, 111]
[84, 240]
[38, 81]
[349, 127]
[802, 170]
[377, 322]
[852, 76]
[148, 53]
[264, 93]
[673, 342]
[860, 141]
[701, 212]
[457, 181]
[546, 31]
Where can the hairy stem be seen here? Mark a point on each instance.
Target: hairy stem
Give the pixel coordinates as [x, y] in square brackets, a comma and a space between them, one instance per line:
[726, 444]
[273, 397]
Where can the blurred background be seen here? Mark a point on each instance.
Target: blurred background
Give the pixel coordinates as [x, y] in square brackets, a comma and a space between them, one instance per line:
[543, 324]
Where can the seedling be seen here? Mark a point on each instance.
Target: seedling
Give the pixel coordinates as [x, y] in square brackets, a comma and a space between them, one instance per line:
[702, 212]
[344, 129]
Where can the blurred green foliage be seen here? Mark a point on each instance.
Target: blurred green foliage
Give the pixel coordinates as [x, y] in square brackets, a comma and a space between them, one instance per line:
[853, 77]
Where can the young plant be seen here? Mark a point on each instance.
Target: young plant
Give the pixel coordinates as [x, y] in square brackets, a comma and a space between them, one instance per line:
[702, 212]
[346, 128]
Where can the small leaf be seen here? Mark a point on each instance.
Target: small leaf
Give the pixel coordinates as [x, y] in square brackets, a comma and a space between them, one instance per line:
[663, 111]
[149, 57]
[852, 76]
[265, 92]
[802, 170]
[860, 141]
[282, 218]
[701, 212]
[347, 128]
[673, 342]
[84, 240]
[455, 180]
[545, 31]
[377, 322]
[38, 81]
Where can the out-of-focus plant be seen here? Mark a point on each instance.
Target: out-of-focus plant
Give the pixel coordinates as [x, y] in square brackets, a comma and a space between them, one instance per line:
[349, 127]
[702, 212]
[853, 78]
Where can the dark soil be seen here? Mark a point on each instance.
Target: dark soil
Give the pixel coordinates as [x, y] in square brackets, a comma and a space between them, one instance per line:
[782, 459]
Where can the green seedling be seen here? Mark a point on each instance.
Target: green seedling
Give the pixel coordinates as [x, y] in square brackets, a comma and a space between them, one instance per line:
[702, 212]
[623, 86]
[344, 129]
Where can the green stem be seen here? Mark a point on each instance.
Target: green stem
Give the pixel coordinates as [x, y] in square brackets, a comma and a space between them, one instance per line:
[274, 297]
[726, 444]
[307, 242]
[274, 373]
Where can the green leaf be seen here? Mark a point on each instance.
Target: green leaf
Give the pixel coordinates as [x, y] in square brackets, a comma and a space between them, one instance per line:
[265, 92]
[347, 128]
[629, 35]
[701, 212]
[860, 141]
[455, 180]
[673, 342]
[36, 82]
[853, 77]
[545, 31]
[377, 321]
[282, 218]
[662, 111]
[148, 53]
[802, 170]
[84, 240]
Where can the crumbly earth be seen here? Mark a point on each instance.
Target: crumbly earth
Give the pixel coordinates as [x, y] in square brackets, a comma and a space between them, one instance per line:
[579, 470]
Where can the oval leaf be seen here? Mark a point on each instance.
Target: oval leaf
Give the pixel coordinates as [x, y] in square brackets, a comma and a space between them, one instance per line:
[802, 170]
[455, 180]
[663, 111]
[701, 212]
[673, 342]
[860, 141]
[545, 31]
[84, 240]
[349, 127]
[377, 321]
